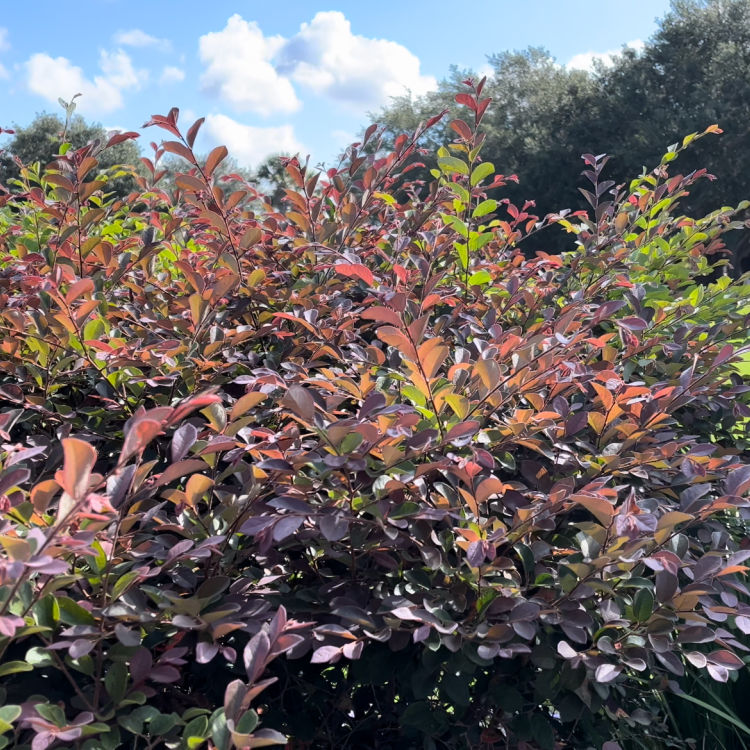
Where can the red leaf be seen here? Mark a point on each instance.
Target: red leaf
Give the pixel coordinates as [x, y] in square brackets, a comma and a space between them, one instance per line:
[193, 131]
[175, 147]
[188, 407]
[79, 288]
[462, 129]
[467, 100]
[369, 133]
[120, 137]
[355, 269]
[483, 106]
[381, 314]
[464, 428]
[435, 119]
[214, 159]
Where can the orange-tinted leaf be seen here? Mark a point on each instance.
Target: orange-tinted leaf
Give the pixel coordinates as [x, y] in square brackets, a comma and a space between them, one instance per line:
[175, 147]
[357, 270]
[189, 183]
[214, 159]
[600, 508]
[193, 131]
[79, 288]
[382, 314]
[42, 494]
[79, 460]
[245, 403]
[196, 487]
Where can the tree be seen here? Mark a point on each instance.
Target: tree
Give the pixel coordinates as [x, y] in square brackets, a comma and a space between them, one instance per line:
[691, 74]
[40, 142]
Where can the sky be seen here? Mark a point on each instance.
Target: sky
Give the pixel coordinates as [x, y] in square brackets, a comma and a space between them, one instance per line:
[279, 76]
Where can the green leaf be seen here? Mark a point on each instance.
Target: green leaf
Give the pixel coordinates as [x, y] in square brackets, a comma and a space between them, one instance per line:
[455, 223]
[38, 657]
[688, 139]
[12, 667]
[8, 714]
[163, 723]
[463, 254]
[479, 278]
[404, 510]
[453, 164]
[481, 171]
[414, 394]
[351, 442]
[122, 583]
[460, 191]
[643, 604]
[484, 208]
[47, 611]
[248, 721]
[116, 681]
[74, 614]
[478, 241]
[219, 732]
[52, 712]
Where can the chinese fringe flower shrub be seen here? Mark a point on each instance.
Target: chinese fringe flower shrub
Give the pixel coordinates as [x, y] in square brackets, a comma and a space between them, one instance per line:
[362, 464]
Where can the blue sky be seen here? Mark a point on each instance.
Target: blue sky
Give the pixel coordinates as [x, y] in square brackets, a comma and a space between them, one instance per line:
[281, 75]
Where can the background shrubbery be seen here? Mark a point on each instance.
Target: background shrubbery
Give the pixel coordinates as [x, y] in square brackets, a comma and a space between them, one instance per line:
[358, 471]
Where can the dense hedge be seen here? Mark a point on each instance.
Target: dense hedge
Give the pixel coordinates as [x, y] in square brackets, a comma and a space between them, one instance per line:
[359, 473]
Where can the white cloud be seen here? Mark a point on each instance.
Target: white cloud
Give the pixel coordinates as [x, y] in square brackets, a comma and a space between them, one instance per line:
[240, 71]
[250, 145]
[171, 74]
[328, 58]
[253, 72]
[4, 72]
[139, 38]
[118, 69]
[55, 77]
[585, 60]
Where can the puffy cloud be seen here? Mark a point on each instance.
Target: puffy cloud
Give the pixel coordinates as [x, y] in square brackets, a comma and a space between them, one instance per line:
[253, 72]
[586, 60]
[240, 71]
[362, 72]
[171, 74]
[118, 69]
[250, 145]
[139, 38]
[54, 77]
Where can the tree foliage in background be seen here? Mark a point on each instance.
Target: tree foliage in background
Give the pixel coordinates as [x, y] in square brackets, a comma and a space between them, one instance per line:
[40, 141]
[692, 72]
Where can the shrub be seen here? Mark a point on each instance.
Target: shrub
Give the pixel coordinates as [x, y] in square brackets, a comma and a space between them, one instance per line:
[473, 499]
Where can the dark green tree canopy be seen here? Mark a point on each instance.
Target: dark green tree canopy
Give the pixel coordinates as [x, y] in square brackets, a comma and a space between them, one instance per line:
[40, 142]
